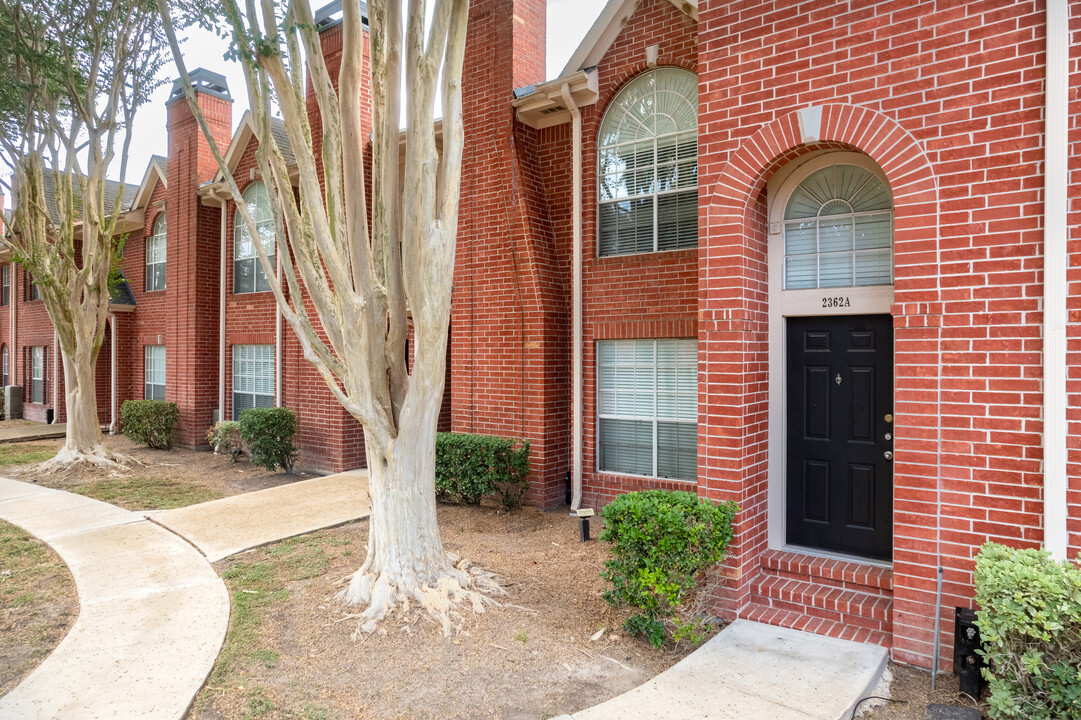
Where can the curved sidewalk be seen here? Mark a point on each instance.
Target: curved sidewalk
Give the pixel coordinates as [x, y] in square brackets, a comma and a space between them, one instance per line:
[152, 612]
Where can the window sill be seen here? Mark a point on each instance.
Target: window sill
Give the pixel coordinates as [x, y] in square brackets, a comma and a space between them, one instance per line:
[645, 254]
[655, 478]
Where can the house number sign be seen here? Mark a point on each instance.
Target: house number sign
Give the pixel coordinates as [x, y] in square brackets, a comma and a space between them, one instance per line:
[836, 301]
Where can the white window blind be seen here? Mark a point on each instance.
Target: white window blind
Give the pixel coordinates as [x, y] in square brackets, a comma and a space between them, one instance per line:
[647, 407]
[253, 377]
[838, 230]
[248, 275]
[155, 256]
[37, 374]
[5, 372]
[154, 372]
[648, 165]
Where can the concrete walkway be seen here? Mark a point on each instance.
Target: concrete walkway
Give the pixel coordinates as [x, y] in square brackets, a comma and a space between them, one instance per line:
[750, 670]
[152, 617]
[221, 528]
[31, 431]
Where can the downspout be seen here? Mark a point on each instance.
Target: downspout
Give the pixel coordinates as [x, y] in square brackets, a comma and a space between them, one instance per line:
[112, 375]
[576, 312]
[1055, 288]
[278, 335]
[13, 298]
[56, 377]
[221, 307]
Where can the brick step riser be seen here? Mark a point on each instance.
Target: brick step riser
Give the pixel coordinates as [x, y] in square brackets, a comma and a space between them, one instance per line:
[833, 616]
[829, 582]
[817, 625]
[811, 595]
[866, 578]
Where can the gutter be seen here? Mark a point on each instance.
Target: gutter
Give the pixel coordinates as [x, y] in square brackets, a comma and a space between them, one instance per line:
[1055, 288]
[576, 322]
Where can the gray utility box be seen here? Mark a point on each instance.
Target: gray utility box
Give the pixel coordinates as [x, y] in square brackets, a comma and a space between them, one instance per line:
[13, 402]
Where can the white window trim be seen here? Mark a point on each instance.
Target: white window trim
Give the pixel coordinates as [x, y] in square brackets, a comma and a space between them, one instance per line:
[655, 194]
[35, 367]
[866, 300]
[148, 384]
[154, 238]
[238, 226]
[272, 395]
[655, 419]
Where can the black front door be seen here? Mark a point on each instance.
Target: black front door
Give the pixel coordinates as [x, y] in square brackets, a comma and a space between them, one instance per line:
[839, 466]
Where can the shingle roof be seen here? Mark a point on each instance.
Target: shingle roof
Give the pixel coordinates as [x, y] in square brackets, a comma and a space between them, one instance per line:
[111, 189]
[120, 292]
[281, 136]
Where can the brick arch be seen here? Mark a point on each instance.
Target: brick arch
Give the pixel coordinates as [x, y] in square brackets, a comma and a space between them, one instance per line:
[734, 340]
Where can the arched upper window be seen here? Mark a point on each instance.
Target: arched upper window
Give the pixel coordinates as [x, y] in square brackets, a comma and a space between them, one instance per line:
[648, 176]
[155, 256]
[248, 275]
[838, 230]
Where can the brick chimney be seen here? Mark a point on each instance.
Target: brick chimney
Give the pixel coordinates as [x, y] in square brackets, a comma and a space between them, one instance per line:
[191, 336]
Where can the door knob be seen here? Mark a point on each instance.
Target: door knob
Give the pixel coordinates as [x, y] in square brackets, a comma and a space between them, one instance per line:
[888, 454]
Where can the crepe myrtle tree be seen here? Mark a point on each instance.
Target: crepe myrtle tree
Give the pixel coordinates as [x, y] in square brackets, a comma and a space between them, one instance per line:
[72, 75]
[353, 282]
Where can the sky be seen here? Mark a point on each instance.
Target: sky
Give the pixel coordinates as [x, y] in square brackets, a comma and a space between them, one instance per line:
[568, 22]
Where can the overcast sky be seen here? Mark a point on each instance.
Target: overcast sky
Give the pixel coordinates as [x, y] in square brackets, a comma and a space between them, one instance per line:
[568, 22]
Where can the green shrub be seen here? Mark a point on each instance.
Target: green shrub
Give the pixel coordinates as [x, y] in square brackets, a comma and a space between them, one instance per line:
[150, 422]
[661, 542]
[269, 433]
[468, 467]
[1030, 625]
[224, 437]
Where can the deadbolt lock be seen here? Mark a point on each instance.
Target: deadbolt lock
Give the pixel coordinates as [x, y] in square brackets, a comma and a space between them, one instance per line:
[888, 418]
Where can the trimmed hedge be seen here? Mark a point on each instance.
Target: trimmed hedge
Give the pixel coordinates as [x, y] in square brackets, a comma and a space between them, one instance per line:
[661, 542]
[268, 433]
[1030, 626]
[468, 467]
[150, 422]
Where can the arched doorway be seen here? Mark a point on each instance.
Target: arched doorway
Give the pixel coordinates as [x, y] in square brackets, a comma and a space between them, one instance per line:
[831, 357]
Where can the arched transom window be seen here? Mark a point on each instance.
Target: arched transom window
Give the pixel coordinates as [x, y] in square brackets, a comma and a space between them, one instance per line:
[248, 275]
[648, 174]
[838, 230]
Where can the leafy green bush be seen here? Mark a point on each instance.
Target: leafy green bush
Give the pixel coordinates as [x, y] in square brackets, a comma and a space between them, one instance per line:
[224, 437]
[468, 467]
[269, 433]
[150, 422]
[661, 542]
[1030, 625]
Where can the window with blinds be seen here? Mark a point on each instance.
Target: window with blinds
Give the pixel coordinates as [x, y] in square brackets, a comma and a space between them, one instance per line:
[253, 377]
[838, 230]
[37, 374]
[648, 169]
[5, 371]
[5, 285]
[647, 407]
[154, 372]
[155, 256]
[248, 275]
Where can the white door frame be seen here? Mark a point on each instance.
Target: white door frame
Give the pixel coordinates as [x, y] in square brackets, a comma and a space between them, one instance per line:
[783, 303]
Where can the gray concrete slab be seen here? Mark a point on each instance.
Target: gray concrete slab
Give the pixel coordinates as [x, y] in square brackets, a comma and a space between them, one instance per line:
[152, 617]
[751, 670]
[31, 431]
[221, 528]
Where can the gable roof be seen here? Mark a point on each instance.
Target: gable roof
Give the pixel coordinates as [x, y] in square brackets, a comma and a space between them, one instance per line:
[155, 172]
[607, 27]
[245, 133]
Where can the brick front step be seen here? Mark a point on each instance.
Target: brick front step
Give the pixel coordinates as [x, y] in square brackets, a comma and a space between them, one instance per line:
[846, 574]
[839, 598]
[817, 625]
[824, 597]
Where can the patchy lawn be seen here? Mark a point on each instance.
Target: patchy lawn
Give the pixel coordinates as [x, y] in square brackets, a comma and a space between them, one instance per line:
[159, 480]
[291, 652]
[38, 604]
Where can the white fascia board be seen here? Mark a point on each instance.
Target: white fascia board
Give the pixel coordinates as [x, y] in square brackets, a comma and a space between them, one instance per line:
[146, 187]
[545, 107]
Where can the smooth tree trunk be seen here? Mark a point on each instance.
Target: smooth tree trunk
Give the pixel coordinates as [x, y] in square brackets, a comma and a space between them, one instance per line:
[84, 442]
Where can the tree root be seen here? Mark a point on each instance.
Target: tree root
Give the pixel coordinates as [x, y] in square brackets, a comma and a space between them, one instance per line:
[442, 600]
[99, 457]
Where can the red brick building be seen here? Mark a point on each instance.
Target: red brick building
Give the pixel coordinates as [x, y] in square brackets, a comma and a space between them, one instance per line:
[819, 258]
